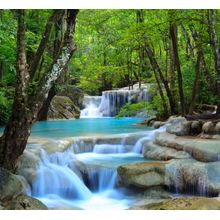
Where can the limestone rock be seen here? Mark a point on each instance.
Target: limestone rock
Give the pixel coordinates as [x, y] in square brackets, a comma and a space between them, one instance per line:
[11, 185]
[208, 127]
[196, 127]
[24, 202]
[178, 126]
[156, 152]
[143, 175]
[157, 192]
[193, 203]
[206, 150]
[62, 107]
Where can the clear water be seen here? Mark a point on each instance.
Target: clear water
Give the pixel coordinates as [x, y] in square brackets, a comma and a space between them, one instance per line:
[86, 127]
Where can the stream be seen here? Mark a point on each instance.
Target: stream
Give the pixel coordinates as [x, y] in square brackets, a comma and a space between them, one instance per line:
[84, 176]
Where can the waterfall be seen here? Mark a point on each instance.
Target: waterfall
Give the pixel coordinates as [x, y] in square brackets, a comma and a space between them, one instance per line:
[55, 177]
[148, 137]
[111, 101]
[91, 109]
[102, 178]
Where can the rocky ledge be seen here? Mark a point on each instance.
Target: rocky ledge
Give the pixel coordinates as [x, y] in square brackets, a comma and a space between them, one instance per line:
[184, 163]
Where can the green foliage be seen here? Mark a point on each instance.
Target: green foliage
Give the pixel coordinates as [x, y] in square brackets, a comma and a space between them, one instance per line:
[5, 108]
[131, 109]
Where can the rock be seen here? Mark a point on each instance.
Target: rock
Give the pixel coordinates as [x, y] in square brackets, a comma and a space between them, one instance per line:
[156, 192]
[193, 203]
[178, 126]
[62, 107]
[196, 127]
[206, 150]
[75, 94]
[156, 152]
[208, 127]
[11, 185]
[217, 128]
[28, 166]
[142, 175]
[24, 202]
[192, 176]
[158, 124]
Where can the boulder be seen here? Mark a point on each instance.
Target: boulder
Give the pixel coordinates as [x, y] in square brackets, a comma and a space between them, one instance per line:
[206, 150]
[178, 126]
[153, 151]
[158, 124]
[11, 185]
[142, 175]
[75, 94]
[192, 176]
[217, 128]
[186, 203]
[62, 107]
[196, 127]
[157, 192]
[208, 127]
[24, 202]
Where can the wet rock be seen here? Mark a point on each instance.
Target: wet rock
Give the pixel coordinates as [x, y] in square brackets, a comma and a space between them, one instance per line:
[178, 126]
[24, 202]
[196, 127]
[11, 185]
[206, 150]
[158, 124]
[157, 192]
[208, 127]
[142, 175]
[28, 166]
[193, 203]
[217, 128]
[156, 152]
[194, 177]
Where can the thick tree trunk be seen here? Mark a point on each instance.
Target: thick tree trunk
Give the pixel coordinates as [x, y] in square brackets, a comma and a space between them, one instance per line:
[173, 34]
[25, 109]
[14, 140]
[215, 46]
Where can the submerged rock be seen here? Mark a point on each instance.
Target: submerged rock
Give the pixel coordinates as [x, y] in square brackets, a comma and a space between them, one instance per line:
[156, 192]
[187, 203]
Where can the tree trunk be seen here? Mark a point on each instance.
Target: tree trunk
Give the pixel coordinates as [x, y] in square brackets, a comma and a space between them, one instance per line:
[25, 108]
[173, 34]
[43, 113]
[215, 46]
[195, 84]
[157, 69]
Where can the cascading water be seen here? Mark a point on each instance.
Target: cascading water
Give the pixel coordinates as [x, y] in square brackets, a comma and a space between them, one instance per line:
[86, 179]
[111, 101]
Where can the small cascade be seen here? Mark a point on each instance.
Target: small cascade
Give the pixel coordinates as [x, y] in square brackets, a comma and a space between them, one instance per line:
[91, 109]
[148, 137]
[101, 178]
[55, 177]
[109, 104]
[109, 149]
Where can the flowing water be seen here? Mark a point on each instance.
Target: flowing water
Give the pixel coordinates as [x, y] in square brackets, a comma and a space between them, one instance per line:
[111, 101]
[84, 176]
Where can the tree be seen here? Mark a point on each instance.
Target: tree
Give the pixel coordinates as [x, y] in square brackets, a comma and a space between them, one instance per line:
[26, 102]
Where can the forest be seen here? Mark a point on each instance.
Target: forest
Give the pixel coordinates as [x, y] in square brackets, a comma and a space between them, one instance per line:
[172, 57]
